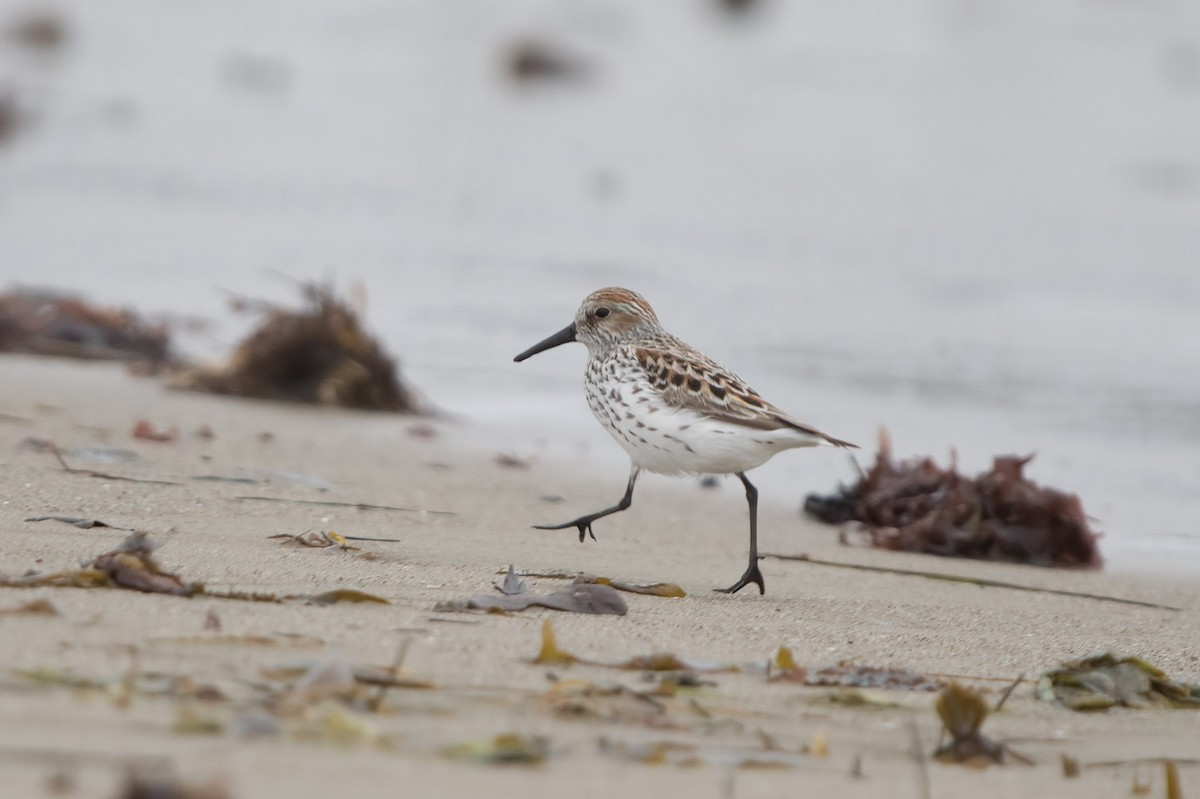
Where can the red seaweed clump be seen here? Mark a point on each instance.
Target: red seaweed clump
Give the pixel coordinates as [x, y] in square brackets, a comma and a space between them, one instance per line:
[918, 506]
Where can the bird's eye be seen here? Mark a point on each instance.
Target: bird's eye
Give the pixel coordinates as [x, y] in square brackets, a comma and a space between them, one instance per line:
[602, 312]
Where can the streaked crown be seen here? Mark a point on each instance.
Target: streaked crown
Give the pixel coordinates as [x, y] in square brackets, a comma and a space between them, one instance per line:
[613, 315]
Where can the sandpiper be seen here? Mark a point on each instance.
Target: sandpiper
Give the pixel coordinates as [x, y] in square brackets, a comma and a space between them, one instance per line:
[672, 408]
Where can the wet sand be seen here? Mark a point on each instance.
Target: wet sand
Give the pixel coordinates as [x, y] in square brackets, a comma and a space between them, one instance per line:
[485, 683]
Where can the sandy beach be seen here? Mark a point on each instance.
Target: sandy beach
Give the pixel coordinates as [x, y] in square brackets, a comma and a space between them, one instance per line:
[972, 224]
[470, 517]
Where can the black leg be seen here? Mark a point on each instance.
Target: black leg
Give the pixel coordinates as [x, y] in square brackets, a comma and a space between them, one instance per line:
[752, 575]
[584, 523]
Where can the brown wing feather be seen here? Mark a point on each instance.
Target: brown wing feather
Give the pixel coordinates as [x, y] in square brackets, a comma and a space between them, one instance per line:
[696, 382]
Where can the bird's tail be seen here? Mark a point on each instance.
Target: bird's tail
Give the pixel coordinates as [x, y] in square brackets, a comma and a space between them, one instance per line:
[837, 442]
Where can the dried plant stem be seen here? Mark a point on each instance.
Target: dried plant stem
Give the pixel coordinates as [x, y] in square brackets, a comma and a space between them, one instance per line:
[981, 581]
[1008, 691]
[104, 475]
[358, 505]
[924, 788]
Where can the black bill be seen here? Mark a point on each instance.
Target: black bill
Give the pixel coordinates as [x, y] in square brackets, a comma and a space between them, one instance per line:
[564, 336]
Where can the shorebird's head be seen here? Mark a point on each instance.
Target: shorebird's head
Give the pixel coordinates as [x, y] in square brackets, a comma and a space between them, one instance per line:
[605, 317]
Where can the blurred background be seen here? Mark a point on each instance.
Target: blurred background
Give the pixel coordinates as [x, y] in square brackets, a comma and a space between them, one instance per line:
[974, 222]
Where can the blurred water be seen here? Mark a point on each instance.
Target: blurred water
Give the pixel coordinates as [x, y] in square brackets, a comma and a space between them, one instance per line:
[975, 223]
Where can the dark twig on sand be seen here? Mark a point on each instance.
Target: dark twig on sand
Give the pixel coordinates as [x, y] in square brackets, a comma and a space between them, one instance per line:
[104, 475]
[357, 505]
[980, 581]
[1008, 692]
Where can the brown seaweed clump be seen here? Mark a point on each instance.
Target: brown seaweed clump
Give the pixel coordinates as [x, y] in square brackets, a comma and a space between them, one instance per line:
[917, 506]
[43, 322]
[530, 60]
[319, 355]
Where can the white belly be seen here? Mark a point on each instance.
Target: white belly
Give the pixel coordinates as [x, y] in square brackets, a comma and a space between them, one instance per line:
[669, 440]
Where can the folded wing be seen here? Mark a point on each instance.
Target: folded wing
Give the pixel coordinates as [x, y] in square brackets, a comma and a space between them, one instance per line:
[694, 381]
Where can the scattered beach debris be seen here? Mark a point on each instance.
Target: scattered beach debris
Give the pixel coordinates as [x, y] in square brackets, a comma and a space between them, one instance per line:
[614, 703]
[130, 565]
[533, 60]
[161, 782]
[146, 431]
[81, 523]
[575, 598]
[507, 749]
[35, 607]
[917, 506]
[193, 719]
[334, 597]
[510, 461]
[340, 595]
[44, 322]
[330, 678]
[550, 655]
[335, 723]
[689, 755]
[327, 700]
[1171, 780]
[651, 589]
[322, 539]
[670, 590]
[512, 584]
[319, 355]
[849, 674]
[56, 677]
[374, 676]
[654, 753]
[391, 677]
[963, 712]
[1107, 680]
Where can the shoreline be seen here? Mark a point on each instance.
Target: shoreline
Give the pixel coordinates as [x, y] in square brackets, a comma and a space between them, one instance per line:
[485, 684]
